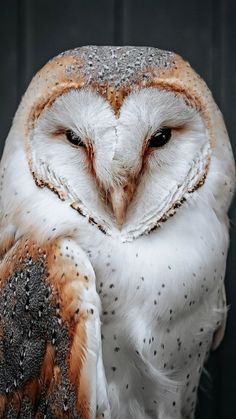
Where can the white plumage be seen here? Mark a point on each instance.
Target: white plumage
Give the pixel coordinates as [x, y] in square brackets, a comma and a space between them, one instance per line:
[147, 220]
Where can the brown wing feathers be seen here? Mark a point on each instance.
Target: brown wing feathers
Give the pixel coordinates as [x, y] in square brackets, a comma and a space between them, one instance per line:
[42, 335]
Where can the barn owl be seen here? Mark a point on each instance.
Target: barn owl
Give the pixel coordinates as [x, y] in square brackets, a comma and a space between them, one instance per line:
[116, 179]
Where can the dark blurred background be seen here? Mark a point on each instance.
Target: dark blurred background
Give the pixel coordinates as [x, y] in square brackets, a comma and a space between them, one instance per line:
[202, 31]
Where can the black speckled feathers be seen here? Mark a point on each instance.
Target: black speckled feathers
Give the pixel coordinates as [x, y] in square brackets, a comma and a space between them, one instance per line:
[34, 345]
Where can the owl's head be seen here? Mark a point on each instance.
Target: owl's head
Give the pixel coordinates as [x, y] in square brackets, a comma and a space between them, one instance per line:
[124, 135]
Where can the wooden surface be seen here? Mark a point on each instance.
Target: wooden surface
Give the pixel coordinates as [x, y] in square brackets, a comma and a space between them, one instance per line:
[202, 31]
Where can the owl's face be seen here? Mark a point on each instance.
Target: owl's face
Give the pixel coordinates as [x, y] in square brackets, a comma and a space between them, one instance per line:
[124, 136]
[128, 170]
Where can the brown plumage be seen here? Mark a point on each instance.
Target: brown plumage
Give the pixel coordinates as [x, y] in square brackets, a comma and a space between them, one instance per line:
[37, 287]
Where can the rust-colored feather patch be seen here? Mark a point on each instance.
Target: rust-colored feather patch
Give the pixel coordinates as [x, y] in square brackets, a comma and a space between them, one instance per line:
[47, 369]
[66, 283]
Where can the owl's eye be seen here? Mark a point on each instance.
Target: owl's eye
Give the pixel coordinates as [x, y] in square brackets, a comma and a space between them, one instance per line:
[74, 138]
[160, 138]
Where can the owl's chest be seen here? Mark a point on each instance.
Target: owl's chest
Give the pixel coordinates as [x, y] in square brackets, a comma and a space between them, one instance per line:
[158, 295]
[159, 278]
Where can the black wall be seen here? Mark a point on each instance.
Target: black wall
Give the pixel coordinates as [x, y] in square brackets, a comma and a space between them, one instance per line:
[202, 31]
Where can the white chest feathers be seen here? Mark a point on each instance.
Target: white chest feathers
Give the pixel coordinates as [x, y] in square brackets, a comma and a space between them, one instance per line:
[161, 304]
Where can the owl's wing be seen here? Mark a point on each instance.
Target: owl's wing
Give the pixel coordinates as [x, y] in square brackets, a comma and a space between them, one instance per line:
[220, 331]
[50, 344]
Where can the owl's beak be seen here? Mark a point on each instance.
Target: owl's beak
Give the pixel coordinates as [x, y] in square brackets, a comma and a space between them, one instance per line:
[120, 197]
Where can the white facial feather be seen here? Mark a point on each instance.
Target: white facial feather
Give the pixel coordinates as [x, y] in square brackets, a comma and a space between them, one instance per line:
[117, 143]
[170, 170]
